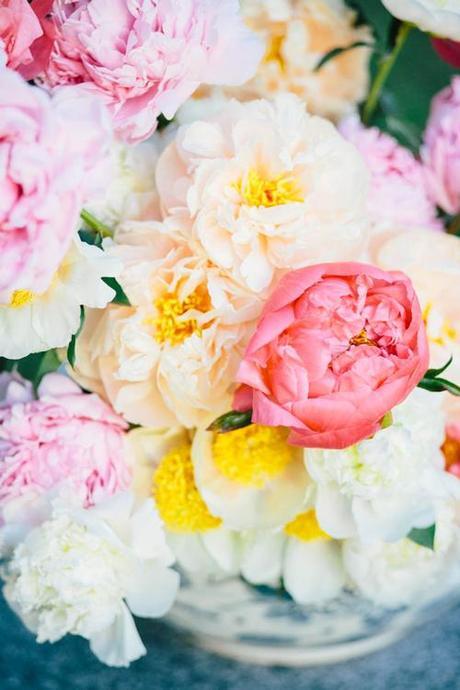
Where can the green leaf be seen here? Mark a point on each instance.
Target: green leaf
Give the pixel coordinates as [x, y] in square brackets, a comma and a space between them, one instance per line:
[34, 366]
[230, 421]
[120, 295]
[432, 373]
[73, 340]
[423, 537]
[335, 52]
[437, 385]
[90, 237]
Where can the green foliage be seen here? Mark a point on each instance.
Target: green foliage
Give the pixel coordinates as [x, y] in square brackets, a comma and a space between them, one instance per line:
[230, 421]
[423, 537]
[73, 341]
[120, 295]
[34, 366]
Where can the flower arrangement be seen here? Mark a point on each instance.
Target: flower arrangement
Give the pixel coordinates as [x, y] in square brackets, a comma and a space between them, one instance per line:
[229, 321]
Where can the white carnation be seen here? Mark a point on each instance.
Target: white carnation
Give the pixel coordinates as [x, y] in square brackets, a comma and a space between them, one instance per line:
[83, 571]
[384, 486]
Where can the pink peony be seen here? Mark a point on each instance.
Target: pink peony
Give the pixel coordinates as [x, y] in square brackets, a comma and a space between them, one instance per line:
[398, 192]
[146, 57]
[19, 28]
[63, 436]
[441, 150]
[337, 347]
[52, 152]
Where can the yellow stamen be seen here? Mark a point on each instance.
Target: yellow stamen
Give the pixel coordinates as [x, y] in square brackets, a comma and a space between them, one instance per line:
[362, 339]
[178, 500]
[20, 298]
[260, 191]
[253, 455]
[169, 323]
[305, 527]
[274, 50]
[438, 333]
[451, 450]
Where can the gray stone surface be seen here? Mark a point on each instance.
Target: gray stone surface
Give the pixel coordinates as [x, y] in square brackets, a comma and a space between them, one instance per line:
[427, 660]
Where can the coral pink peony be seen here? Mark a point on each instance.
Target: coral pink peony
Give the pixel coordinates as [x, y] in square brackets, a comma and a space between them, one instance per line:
[337, 347]
[19, 28]
[398, 191]
[44, 178]
[441, 150]
[146, 57]
[63, 436]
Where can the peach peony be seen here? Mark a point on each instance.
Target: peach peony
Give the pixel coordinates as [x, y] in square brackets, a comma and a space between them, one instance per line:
[145, 57]
[257, 180]
[172, 355]
[297, 34]
[337, 347]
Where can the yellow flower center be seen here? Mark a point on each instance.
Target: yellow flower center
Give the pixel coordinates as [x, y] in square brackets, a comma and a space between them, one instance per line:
[171, 323]
[252, 455]
[305, 527]
[20, 298]
[362, 339]
[274, 50]
[440, 331]
[261, 191]
[178, 500]
[451, 451]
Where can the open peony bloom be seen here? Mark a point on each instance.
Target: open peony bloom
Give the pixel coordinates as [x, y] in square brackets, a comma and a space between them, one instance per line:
[19, 28]
[438, 17]
[441, 148]
[398, 191]
[62, 437]
[337, 347]
[46, 174]
[297, 35]
[146, 57]
[256, 179]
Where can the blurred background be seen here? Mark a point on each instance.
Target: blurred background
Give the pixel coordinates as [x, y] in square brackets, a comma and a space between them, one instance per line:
[427, 660]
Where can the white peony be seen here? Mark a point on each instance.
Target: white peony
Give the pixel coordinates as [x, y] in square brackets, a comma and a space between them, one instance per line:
[403, 573]
[84, 572]
[383, 487]
[301, 556]
[438, 17]
[36, 322]
[268, 188]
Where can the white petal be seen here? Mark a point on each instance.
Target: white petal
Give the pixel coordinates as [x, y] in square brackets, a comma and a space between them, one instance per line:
[119, 644]
[262, 557]
[333, 511]
[152, 590]
[222, 545]
[313, 570]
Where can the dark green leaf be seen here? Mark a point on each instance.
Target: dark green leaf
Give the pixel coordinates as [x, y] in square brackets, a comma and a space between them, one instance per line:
[423, 537]
[432, 373]
[120, 295]
[335, 52]
[73, 340]
[90, 237]
[432, 385]
[230, 421]
[162, 122]
[34, 366]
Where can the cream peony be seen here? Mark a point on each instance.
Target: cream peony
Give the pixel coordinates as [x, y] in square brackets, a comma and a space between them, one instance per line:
[302, 556]
[256, 179]
[297, 34]
[438, 17]
[33, 322]
[172, 356]
[432, 262]
[84, 572]
[383, 487]
[404, 573]
[250, 478]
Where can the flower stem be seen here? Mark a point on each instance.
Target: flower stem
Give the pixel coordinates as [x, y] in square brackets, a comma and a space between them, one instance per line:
[386, 64]
[454, 227]
[95, 224]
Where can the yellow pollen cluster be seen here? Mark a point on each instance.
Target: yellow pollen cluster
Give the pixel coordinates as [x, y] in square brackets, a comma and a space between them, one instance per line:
[168, 323]
[362, 339]
[20, 298]
[444, 334]
[178, 500]
[305, 527]
[261, 191]
[451, 451]
[273, 53]
[252, 455]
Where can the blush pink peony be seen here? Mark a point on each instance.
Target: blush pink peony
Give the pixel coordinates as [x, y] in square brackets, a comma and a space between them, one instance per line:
[146, 57]
[398, 191]
[63, 436]
[46, 173]
[337, 347]
[441, 149]
[19, 28]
